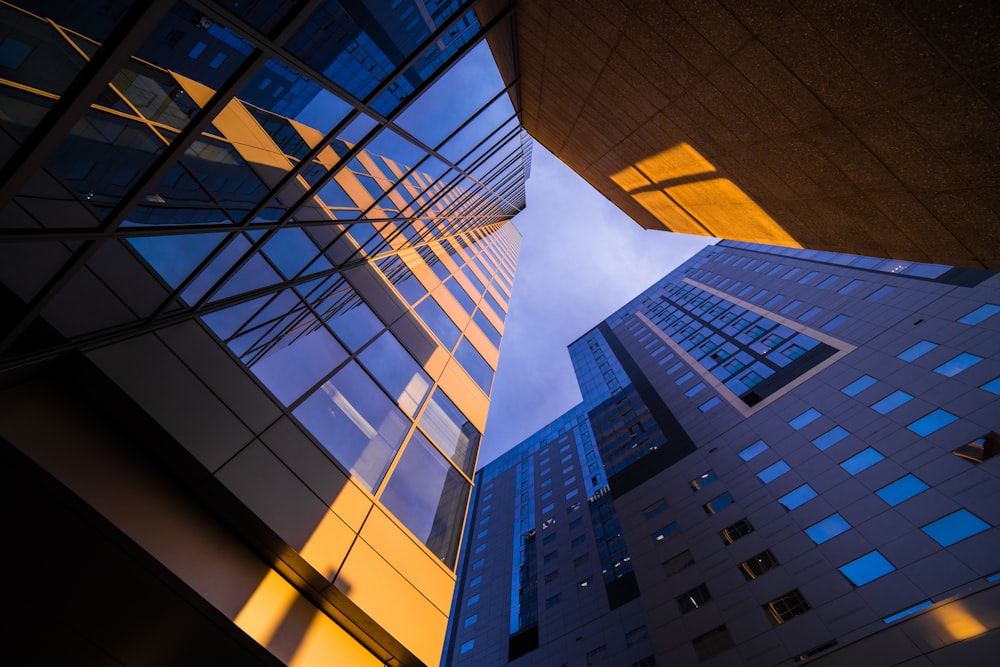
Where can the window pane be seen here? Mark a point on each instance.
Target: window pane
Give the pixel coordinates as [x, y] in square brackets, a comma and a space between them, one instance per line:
[901, 489]
[797, 497]
[718, 503]
[397, 372]
[828, 528]
[906, 612]
[868, 568]
[474, 365]
[773, 472]
[981, 314]
[703, 480]
[859, 385]
[709, 404]
[665, 532]
[807, 417]
[753, 450]
[955, 366]
[930, 423]
[450, 430]
[428, 495]
[861, 461]
[891, 402]
[830, 438]
[955, 527]
[438, 321]
[356, 422]
[916, 351]
[355, 324]
[296, 363]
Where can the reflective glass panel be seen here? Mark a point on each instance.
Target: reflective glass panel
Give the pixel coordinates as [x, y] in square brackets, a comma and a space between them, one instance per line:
[297, 361]
[930, 423]
[797, 497]
[916, 350]
[955, 527]
[428, 495]
[958, 364]
[891, 402]
[773, 472]
[859, 385]
[900, 490]
[753, 450]
[831, 437]
[807, 417]
[397, 372]
[981, 314]
[862, 460]
[868, 568]
[450, 430]
[830, 527]
[475, 365]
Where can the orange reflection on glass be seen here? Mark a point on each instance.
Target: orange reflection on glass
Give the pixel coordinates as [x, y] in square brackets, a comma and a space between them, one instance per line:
[958, 621]
[683, 191]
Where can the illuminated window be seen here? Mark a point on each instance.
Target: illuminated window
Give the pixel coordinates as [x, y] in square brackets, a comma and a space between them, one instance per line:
[736, 531]
[693, 599]
[861, 461]
[828, 528]
[955, 527]
[906, 612]
[891, 402]
[467, 646]
[981, 314]
[830, 438]
[867, 568]
[954, 366]
[916, 350]
[654, 509]
[993, 386]
[718, 503]
[902, 489]
[859, 385]
[807, 417]
[773, 472]
[471, 620]
[753, 450]
[709, 404]
[758, 565]
[786, 607]
[932, 422]
[703, 480]
[665, 532]
[585, 583]
[880, 293]
[473, 599]
[797, 497]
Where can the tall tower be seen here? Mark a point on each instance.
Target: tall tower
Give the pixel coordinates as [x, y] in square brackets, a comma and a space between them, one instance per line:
[255, 264]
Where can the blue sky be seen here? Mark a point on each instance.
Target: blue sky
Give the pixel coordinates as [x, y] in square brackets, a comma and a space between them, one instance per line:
[581, 259]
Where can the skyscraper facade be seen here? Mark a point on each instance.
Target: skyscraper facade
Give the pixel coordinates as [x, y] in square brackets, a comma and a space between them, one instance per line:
[255, 263]
[782, 456]
[753, 121]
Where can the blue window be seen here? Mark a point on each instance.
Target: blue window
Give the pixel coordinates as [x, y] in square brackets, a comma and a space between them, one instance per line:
[906, 612]
[900, 490]
[684, 378]
[850, 287]
[955, 527]
[826, 282]
[196, 50]
[790, 307]
[982, 313]
[472, 600]
[797, 497]
[470, 620]
[932, 422]
[807, 417]
[955, 366]
[467, 646]
[709, 404]
[880, 293]
[773, 472]
[695, 389]
[831, 437]
[859, 385]
[868, 568]
[828, 528]
[916, 351]
[811, 313]
[475, 581]
[835, 322]
[891, 402]
[755, 449]
[717, 503]
[665, 532]
[861, 461]
[993, 386]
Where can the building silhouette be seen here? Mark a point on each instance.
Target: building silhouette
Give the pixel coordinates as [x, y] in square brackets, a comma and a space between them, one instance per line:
[864, 127]
[782, 456]
[255, 263]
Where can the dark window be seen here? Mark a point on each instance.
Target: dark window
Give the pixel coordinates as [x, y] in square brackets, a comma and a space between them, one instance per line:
[980, 449]
[693, 599]
[703, 480]
[633, 637]
[597, 656]
[736, 531]
[681, 561]
[805, 655]
[552, 576]
[786, 607]
[712, 643]
[758, 565]
[648, 661]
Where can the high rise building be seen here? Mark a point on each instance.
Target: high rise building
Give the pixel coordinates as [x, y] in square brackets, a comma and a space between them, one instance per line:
[782, 456]
[861, 127]
[255, 262]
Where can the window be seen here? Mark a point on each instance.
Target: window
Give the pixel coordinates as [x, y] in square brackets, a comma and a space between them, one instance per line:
[584, 583]
[753, 450]
[773, 472]
[475, 581]
[467, 646]
[828, 528]
[736, 531]
[891, 402]
[868, 568]
[677, 563]
[703, 480]
[713, 642]
[980, 449]
[880, 293]
[718, 503]
[786, 607]
[709, 404]
[850, 287]
[906, 612]
[581, 560]
[656, 508]
[861, 461]
[549, 539]
[830, 438]
[916, 350]
[597, 655]
[981, 314]
[695, 389]
[932, 422]
[859, 385]
[955, 527]
[790, 307]
[633, 637]
[550, 556]
[797, 497]
[470, 620]
[806, 418]
[665, 532]
[553, 601]
[473, 599]
[805, 655]
[811, 313]
[993, 386]
[693, 599]
[902, 489]
[577, 541]
[758, 565]
[954, 366]
[835, 322]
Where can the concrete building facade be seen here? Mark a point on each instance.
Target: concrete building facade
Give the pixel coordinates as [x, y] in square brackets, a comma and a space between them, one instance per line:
[255, 263]
[782, 456]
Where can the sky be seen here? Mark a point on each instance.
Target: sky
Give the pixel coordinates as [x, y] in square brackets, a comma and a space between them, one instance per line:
[581, 259]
